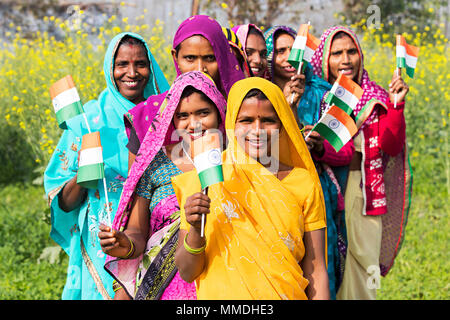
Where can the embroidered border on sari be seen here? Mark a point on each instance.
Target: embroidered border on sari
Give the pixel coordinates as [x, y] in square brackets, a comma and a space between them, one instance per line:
[93, 272]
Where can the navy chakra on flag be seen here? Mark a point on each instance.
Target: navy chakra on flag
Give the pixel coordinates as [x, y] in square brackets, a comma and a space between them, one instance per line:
[333, 124]
[340, 92]
[214, 157]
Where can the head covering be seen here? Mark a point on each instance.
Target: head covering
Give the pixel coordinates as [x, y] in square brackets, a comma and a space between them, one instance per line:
[229, 69]
[254, 237]
[270, 36]
[76, 231]
[161, 131]
[391, 175]
[242, 32]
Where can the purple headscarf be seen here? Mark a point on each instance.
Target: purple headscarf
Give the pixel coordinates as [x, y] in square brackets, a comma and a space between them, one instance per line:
[229, 69]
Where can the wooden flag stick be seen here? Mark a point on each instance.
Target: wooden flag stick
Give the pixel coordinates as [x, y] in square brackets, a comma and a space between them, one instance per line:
[395, 95]
[202, 232]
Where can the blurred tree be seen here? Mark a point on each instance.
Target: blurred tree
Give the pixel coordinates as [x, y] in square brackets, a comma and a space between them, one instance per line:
[260, 12]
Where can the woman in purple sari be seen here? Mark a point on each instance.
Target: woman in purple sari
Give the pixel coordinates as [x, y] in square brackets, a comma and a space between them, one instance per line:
[144, 235]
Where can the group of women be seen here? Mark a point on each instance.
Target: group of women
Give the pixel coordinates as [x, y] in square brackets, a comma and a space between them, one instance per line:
[292, 219]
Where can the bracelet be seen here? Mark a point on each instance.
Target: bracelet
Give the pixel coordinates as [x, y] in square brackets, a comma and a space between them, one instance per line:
[130, 253]
[192, 250]
[116, 285]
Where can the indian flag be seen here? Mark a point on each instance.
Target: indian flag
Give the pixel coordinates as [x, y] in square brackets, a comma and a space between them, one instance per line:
[207, 156]
[406, 56]
[345, 94]
[66, 101]
[90, 165]
[337, 127]
[304, 46]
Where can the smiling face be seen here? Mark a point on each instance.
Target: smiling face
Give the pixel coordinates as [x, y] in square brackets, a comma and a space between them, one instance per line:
[196, 54]
[131, 71]
[344, 58]
[257, 123]
[282, 68]
[194, 115]
[256, 51]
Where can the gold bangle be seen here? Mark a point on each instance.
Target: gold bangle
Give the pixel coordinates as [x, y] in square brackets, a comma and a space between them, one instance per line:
[192, 250]
[130, 253]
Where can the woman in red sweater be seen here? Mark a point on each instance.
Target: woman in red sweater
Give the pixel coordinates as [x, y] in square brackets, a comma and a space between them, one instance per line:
[380, 179]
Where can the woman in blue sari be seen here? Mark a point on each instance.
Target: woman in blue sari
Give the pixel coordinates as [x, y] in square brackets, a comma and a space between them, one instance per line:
[279, 40]
[132, 75]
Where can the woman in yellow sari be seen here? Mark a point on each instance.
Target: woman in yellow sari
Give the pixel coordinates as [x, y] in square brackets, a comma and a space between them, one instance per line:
[265, 224]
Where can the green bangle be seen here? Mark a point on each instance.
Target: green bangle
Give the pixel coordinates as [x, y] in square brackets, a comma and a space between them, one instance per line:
[192, 250]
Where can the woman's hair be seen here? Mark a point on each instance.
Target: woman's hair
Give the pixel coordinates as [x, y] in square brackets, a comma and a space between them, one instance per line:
[256, 93]
[254, 31]
[189, 90]
[340, 35]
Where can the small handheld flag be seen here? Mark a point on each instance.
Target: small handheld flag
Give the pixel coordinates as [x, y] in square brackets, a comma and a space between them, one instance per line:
[66, 101]
[206, 153]
[90, 165]
[207, 157]
[406, 56]
[337, 127]
[345, 94]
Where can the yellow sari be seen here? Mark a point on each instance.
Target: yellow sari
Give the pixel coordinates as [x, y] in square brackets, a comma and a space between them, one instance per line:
[256, 224]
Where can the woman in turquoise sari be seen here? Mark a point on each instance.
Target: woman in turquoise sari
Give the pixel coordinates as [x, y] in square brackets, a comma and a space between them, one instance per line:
[132, 75]
[331, 173]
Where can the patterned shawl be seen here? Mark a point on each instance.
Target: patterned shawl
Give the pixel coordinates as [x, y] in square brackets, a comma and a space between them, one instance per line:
[387, 181]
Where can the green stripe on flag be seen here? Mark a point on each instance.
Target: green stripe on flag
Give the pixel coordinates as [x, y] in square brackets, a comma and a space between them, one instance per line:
[89, 175]
[329, 135]
[68, 112]
[210, 176]
[332, 99]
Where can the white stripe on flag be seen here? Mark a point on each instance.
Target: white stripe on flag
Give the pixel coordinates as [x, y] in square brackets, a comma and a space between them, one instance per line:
[65, 98]
[307, 56]
[346, 96]
[208, 159]
[299, 43]
[411, 61]
[339, 128]
[90, 156]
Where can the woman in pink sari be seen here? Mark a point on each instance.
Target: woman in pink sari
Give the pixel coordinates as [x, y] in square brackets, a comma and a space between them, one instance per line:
[142, 242]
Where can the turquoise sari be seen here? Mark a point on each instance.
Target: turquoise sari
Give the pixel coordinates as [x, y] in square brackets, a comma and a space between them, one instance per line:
[76, 231]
